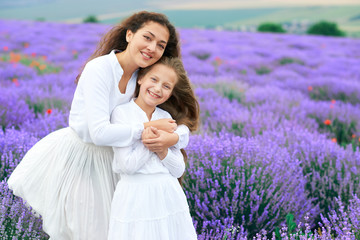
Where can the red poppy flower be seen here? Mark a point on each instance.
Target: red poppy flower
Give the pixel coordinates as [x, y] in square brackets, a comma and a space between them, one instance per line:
[327, 122]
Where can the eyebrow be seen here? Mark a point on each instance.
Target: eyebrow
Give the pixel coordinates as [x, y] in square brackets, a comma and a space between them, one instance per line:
[154, 36]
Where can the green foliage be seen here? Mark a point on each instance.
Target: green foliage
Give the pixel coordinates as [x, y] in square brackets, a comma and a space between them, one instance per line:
[91, 19]
[323, 93]
[40, 106]
[288, 60]
[40, 65]
[291, 226]
[230, 91]
[270, 27]
[343, 132]
[262, 70]
[325, 28]
[201, 55]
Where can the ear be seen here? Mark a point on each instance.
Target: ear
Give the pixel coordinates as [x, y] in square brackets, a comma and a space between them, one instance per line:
[129, 35]
[140, 81]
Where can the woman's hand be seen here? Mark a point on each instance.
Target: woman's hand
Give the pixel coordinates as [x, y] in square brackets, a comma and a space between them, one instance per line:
[161, 142]
[166, 124]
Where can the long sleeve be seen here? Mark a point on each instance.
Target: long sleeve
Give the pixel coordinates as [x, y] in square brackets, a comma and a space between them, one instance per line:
[183, 132]
[174, 162]
[128, 160]
[96, 89]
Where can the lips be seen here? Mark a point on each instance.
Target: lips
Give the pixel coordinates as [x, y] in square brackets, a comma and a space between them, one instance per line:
[153, 94]
[146, 56]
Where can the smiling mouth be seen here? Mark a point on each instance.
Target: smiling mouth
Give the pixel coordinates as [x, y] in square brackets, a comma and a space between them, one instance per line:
[153, 94]
[146, 55]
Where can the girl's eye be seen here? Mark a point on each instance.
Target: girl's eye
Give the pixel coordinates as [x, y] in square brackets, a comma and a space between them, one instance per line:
[153, 79]
[167, 87]
[147, 37]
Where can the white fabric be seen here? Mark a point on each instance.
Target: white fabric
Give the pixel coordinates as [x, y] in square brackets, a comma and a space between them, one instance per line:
[95, 97]
[137, 158]
[66, 177]
[69, 183]
[148, 202]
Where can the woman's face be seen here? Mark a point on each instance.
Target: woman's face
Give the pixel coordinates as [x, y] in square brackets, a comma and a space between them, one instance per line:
[147, 45]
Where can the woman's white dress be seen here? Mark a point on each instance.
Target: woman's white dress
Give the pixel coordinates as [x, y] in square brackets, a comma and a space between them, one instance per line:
[66, 177]
[148, 202]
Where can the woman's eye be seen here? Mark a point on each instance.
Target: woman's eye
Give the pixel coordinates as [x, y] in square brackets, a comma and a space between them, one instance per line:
[147, 37]
[161, 46]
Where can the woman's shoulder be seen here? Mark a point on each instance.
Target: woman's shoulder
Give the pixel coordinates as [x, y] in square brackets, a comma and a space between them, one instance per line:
[100, 61]
[120, 112]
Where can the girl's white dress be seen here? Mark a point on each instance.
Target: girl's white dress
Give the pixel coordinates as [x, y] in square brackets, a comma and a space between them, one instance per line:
[66, 177]
[148, 202]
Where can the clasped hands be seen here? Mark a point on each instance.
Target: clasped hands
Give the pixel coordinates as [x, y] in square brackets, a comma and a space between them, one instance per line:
[159, 135]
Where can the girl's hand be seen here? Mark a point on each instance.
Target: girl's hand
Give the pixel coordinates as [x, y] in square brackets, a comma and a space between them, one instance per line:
[149, 132]
[162, 142]
[166, 124]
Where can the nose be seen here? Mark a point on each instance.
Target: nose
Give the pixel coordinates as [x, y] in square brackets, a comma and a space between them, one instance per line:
[157, 87]
[152, 46]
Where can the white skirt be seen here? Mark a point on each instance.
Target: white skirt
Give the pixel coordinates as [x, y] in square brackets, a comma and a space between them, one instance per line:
[151, 207]
[69, 183]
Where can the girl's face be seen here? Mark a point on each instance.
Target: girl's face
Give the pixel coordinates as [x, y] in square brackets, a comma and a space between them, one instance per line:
[147, 45]
[156, 86]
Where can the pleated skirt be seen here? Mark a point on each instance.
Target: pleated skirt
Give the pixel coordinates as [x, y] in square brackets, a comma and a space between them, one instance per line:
[151, 207]
[69, 183]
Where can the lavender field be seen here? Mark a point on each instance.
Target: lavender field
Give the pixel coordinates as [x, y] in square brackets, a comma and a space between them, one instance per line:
[277, 155]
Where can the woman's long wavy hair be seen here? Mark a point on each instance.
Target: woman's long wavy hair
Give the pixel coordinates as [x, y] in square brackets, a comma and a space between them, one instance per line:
[182, 104]
[116, 37]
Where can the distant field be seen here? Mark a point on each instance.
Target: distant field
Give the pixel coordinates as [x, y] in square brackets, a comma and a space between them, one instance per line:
[112, 11]
[347, 17]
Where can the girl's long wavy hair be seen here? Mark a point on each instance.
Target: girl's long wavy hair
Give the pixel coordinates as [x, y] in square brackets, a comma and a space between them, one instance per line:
[116, 37]
[182, 104]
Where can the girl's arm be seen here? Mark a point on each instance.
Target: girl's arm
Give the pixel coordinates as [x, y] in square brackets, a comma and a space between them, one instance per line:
[128, 160]
[173, 161]
[171, 158]
[96, 90]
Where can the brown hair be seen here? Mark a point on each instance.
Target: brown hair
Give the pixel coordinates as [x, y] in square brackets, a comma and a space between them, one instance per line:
[182, 104]
[116, 37]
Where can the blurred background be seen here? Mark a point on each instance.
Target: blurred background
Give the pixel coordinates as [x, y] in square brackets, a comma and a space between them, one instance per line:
[295, 16]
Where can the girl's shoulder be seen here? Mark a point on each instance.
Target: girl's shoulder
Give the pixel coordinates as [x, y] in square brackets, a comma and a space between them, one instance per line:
[161, 113]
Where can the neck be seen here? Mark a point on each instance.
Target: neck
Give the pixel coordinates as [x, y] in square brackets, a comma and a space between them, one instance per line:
[128, 66]
[147, 109]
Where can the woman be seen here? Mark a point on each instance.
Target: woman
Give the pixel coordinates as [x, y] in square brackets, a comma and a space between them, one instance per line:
[66, 177]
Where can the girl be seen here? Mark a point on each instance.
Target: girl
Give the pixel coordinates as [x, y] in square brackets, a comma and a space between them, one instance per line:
[66, 177]
[149, 202]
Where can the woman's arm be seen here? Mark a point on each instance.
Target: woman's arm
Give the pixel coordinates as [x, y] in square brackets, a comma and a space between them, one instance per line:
[179, 139]
[96, 87]
[165, 124]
